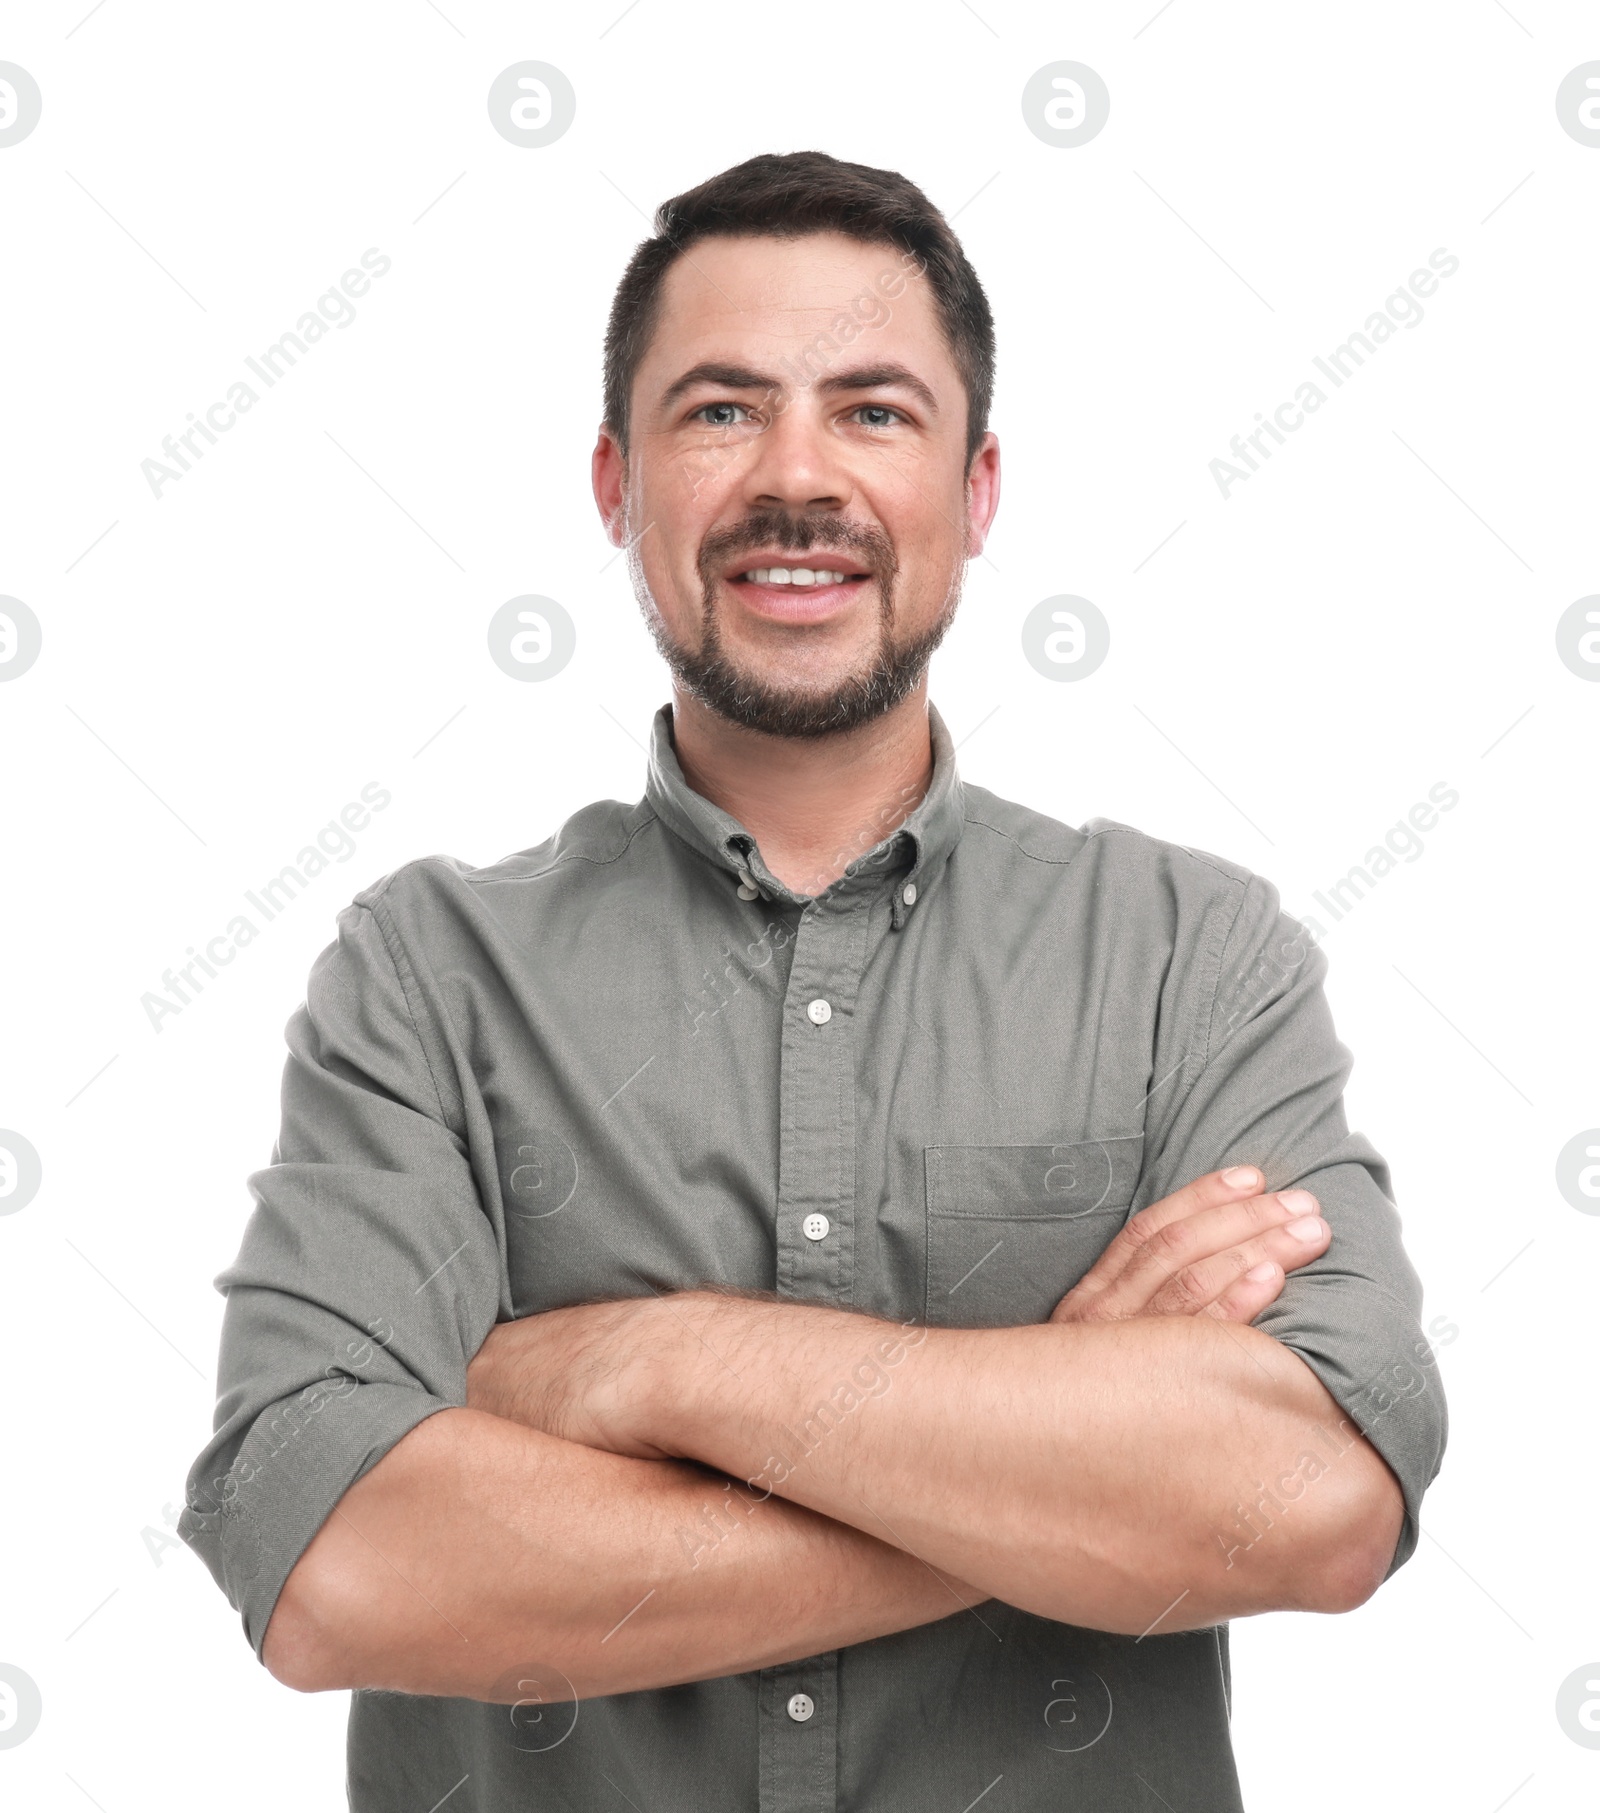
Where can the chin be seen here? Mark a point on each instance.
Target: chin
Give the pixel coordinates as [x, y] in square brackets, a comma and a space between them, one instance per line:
[780, 708]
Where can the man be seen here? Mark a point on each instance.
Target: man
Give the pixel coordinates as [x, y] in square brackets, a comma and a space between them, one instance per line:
[824, 1289]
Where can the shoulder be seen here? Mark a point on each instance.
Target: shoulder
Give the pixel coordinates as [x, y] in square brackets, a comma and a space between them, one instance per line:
[1122, 891]
[1114, 855]
[595, 838]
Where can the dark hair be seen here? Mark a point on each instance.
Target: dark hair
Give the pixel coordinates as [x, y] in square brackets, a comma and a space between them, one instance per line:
[784, 197]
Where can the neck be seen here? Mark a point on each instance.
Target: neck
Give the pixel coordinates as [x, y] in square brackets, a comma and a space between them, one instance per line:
[813, 804]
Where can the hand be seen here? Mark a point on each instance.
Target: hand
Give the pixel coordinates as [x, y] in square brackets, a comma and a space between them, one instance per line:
[579, 1373]
[1213, 1248]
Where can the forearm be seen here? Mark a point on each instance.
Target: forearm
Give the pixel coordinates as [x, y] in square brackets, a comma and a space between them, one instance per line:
[1088, 1473]
[478, 1553]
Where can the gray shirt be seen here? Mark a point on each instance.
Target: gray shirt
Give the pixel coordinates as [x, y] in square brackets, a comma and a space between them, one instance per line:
[631, 1060]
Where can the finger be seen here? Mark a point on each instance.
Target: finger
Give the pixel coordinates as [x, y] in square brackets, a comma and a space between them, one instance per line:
[1216, 1189]
[1161, 1258]
[1287, 1248]
[1246, 1297]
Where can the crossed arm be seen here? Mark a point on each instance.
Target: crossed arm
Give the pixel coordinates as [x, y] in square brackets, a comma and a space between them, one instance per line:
[662, 1490]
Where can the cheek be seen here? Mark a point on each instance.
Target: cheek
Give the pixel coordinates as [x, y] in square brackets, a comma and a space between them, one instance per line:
[691, 484]
[918, 494]
[669, 516]
[673, 580]
[929, 536]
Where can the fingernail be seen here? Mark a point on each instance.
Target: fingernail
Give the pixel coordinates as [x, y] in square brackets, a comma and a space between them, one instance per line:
[1259, 1274]
[1298, 1202]
[1241, 1177]
[1311, 1228]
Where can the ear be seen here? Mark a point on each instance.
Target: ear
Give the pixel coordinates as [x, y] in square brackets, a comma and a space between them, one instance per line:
[983, 493]
[609, 474]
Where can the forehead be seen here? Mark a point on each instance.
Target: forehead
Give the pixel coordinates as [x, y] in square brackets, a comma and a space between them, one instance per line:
[740, 296]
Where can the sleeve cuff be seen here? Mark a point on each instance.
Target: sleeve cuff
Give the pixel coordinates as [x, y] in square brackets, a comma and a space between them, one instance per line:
[251, 1524]
[1401, 1411]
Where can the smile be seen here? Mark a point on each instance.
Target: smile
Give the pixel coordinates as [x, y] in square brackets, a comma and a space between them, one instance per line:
[795, 576]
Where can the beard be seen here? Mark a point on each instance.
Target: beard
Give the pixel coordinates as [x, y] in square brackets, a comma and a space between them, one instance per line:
[710, 675]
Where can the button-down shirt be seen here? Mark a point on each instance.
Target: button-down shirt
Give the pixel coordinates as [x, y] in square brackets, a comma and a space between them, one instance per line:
[631, 1060]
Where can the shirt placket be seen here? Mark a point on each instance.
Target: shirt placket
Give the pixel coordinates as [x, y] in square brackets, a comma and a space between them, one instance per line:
[815, 1264]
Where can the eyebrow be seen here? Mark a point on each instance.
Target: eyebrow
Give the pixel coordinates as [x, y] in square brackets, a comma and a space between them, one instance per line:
[743, 377]
[713, 371]
[881, 377]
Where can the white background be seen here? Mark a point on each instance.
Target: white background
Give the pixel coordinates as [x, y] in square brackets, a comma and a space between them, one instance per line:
[225, 667]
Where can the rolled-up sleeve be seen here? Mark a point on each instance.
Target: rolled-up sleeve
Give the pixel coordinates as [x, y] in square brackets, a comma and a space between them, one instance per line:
[368, 1277]
[1265, 1082]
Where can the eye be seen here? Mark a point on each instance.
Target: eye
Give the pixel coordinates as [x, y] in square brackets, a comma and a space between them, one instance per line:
[720, 415]
[878, 415]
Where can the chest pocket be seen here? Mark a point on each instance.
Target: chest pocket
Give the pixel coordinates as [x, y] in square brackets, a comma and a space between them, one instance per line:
[1011, 1229]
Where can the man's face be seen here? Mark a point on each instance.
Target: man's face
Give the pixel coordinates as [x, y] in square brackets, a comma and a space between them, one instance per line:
[796, 498]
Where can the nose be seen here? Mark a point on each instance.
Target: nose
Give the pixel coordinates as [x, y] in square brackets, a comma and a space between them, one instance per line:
[798, 464]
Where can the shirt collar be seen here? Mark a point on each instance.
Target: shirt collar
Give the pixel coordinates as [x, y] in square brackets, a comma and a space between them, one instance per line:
[914, 853]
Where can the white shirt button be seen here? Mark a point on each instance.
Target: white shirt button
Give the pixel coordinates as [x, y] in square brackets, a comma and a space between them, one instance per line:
[909, 893]
[819, 1012]
[815, 1227]
[801, 1707]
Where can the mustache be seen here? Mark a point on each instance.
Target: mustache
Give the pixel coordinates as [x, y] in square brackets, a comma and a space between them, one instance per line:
[797, 535]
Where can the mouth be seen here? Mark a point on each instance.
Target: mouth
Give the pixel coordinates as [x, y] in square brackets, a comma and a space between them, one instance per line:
[803, 589]
[796, 575]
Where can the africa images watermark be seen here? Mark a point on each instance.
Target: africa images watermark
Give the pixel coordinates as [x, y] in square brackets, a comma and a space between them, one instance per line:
[1394, 1383]
[870, 1377]
[335, 308]
[1401, 840]
[1403, 308]
[282, 1423]
[867, 313]
[719, 987]
[1265, 979]
[181, 982]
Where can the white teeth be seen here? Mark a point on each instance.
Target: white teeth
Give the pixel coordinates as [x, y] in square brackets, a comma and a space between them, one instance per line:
[794, 576]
